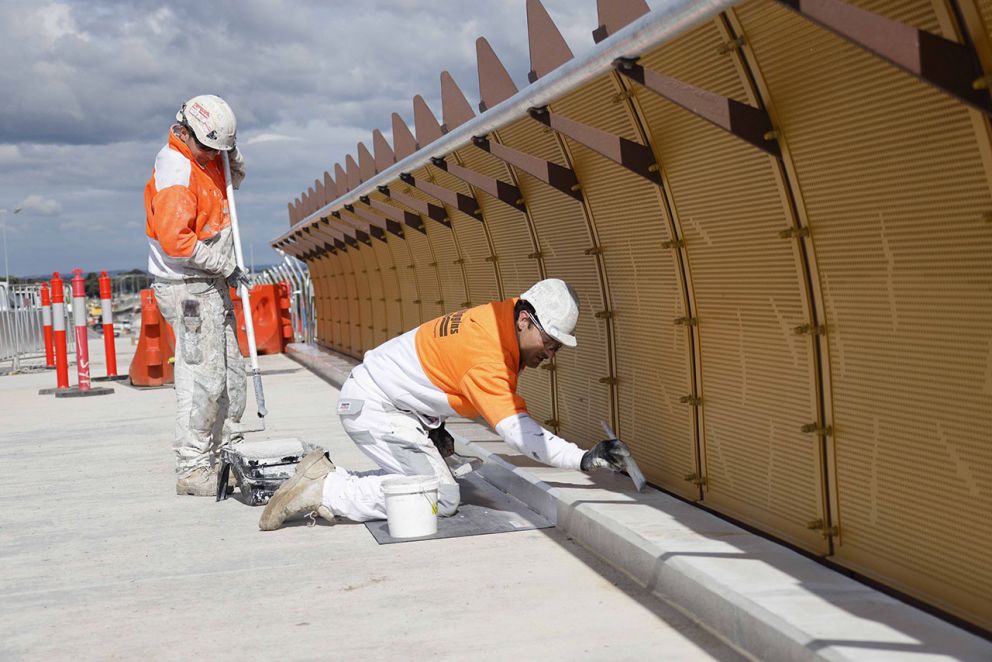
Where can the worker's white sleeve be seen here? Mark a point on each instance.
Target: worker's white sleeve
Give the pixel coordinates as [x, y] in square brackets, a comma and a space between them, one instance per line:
[524, 434]
[215, 256]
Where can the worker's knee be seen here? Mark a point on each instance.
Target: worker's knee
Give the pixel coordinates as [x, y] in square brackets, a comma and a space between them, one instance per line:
[448, 498]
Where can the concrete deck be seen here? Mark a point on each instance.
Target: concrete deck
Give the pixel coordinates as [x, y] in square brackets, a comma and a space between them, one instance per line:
[762, 597]
[99, 559]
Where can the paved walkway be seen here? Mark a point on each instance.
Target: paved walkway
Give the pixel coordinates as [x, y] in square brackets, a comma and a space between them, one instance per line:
[99, 559]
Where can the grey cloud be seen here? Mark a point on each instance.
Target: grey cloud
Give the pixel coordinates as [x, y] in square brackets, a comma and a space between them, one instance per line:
[92, 86]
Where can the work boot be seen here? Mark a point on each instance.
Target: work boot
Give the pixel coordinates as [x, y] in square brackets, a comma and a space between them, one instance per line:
[302, 493]
[201, 481]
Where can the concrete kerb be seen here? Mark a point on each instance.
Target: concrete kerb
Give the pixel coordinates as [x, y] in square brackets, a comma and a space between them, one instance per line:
[758, 596]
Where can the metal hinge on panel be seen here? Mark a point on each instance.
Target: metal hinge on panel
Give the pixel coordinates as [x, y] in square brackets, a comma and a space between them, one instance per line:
[604, 315]
[432, 264]
[733, 45]
[675, 243]
[466, 304]
[624, 94]
[794, 232]
[492, 258]
[695, 479]
[439, 302]
[818, 525]
[612, 381]
[460, 260]
[551, 422]
[811, 428]
[809, 330]
[691, 400]
[535, 256]
[548, 366]
[685, 321]
[411, 266]
[595, 250]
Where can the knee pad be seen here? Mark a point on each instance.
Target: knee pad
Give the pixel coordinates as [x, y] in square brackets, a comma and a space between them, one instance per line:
[448, 498]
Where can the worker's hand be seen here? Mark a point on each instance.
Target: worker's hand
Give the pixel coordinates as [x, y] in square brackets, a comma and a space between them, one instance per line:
[237, 278]
[609, 454]
[237, 163]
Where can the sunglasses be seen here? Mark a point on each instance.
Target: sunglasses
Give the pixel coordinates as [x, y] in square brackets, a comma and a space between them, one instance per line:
[550, 343]
[202, 146]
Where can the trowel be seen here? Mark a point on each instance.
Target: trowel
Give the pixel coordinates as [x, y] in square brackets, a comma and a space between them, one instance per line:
[629, 464]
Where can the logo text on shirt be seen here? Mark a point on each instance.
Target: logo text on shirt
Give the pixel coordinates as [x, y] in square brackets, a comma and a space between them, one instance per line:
[449, 324]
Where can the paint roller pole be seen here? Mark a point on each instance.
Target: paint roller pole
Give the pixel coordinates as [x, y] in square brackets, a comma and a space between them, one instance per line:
[243, 293]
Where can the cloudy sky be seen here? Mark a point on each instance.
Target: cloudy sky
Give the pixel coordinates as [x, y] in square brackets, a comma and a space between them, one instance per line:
[90, 89]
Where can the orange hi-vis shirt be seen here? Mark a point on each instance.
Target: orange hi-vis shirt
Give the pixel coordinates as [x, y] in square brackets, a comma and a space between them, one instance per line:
[186, 216]
[465, 363]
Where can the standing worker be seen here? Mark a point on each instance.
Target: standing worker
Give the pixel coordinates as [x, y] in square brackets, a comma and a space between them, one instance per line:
[466, 363]
[191, 255]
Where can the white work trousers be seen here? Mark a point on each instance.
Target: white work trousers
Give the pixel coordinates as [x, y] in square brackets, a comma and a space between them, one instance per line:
[397, 441]
[209, 368]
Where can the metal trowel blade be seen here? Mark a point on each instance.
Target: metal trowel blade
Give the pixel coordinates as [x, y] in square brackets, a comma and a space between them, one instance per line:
[634, 472]
[629, 463]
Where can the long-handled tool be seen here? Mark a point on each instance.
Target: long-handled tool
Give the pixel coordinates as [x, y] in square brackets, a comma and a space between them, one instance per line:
[243, 293]
[629, 464]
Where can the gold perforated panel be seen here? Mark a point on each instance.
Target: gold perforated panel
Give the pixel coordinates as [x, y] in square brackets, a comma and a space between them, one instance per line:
[564, 237]
[363, 281]
[422, 263]
[446, 253]
[646, 294]
[895, 196]
[393, 324]
[473, 246]
[404, 270]
[756, 385]
[507, 226]
[515, 244]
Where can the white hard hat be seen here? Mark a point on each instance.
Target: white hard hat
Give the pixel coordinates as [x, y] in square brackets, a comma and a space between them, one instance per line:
[211, 120]
[557, 308]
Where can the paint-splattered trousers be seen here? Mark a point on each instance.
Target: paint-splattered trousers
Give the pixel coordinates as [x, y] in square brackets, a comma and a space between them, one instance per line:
[396, 440]
[209, 368]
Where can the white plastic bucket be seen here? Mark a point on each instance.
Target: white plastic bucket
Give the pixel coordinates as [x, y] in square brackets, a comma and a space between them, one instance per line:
[411, 505]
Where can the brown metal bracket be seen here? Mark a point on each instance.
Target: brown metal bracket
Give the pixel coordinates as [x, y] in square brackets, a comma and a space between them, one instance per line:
[394, 218]
[423, 207]
[556, 176]
[502, 191]
[633, 156]
[377, 224]
[739, 119]
[942, 63]
[408, 218]
[460, 201]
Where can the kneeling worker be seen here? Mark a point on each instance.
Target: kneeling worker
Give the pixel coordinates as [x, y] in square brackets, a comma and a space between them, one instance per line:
[466, 364]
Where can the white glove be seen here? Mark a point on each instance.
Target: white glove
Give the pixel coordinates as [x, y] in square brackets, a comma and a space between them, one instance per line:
[237, 163]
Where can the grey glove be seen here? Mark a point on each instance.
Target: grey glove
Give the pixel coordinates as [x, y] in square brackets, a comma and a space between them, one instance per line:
[610, 454]
[237, 163]
[237, 278]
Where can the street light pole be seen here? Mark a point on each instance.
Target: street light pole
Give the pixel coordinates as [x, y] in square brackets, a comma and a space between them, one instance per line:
[3, 226]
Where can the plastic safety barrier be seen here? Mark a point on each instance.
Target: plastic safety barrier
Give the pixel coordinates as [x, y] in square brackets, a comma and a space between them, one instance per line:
[270, 305]
[151, 365]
